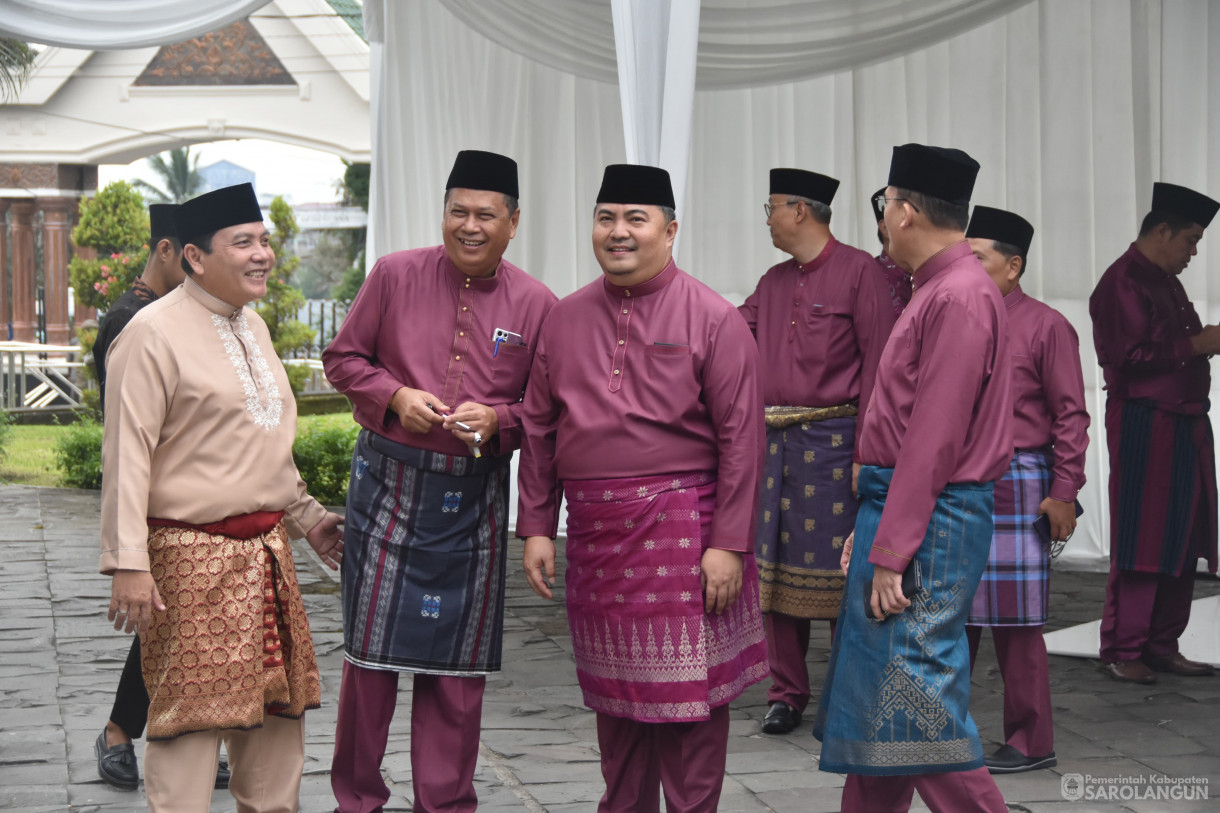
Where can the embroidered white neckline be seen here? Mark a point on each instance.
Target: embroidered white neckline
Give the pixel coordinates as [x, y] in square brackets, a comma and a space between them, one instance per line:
[265, 415]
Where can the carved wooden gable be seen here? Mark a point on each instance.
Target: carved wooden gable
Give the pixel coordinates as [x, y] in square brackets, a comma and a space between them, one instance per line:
[235, 55]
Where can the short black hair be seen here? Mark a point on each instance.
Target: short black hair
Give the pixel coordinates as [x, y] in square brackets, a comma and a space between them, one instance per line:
[1175, 222]
[1008, 250]
[940, 213]
[204, 242]
[509, 202]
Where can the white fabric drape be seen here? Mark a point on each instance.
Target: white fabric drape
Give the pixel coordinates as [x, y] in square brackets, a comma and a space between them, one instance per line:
[656, 41]
[103, 25]
[742, 43]
[1073, 109]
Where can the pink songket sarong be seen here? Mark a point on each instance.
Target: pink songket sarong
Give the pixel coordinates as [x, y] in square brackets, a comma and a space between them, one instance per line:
[644, 647]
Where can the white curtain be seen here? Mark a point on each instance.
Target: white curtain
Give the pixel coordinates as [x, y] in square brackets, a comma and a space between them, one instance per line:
[1073, 109]
[102, 25]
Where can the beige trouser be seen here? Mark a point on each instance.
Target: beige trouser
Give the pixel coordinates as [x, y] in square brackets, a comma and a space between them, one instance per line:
[266, 762]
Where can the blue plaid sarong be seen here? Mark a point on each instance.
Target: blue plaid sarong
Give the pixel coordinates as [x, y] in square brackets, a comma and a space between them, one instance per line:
[1013, 591]
[425, 540]
[897, 693]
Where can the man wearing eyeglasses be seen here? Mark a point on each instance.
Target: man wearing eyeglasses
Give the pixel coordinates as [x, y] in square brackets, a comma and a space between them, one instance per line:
[1050, 433]
[820, 319]
[899, 281]
[894, 712]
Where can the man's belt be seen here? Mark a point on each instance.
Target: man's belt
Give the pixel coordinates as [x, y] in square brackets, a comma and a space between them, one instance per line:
[781, 417]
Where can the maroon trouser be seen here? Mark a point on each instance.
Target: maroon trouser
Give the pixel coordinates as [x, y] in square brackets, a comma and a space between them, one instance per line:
[957, 792]
[446, 714]
[787, 649]
[1021, 652]
[1145, 613]
[685, 759]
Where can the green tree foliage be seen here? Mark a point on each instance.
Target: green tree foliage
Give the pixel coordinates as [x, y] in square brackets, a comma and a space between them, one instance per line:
[356, 179]
[16, 62]
[179, 176]
[279, 308]
[114, 223]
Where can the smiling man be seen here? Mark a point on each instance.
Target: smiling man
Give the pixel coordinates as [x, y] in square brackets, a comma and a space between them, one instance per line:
[1154, 352]
[200, 498]
[644, 406]
[434, 355]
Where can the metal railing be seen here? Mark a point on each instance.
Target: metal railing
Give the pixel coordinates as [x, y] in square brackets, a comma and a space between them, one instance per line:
[39, 377]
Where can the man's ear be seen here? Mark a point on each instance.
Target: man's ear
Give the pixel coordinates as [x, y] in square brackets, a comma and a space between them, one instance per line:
[194, 256]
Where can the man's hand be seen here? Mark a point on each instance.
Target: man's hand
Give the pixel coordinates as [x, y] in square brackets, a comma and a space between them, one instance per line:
[480, 418]
[887, 592]
[326, 539]
[845, 558]
[539, 562]
[720, 572]
[855, 480]
[1062, 516]
[133, 597]
[414, 409]
[1207, 341]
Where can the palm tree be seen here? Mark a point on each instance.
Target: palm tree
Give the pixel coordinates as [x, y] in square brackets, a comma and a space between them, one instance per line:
[180, 175]
[16, 62]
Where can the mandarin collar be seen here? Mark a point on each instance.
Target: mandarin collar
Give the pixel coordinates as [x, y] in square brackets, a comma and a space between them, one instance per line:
[215, 304]
[1014, 297]
[464, 280]
[939, 261]
[822, 258]
[644, 288]
[1141, 259]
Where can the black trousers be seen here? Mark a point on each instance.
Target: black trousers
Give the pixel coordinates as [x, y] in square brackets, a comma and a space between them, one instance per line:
[130, 711]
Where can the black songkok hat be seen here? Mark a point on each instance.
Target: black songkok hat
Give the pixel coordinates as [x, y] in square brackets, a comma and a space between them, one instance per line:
[939, 172]
[802, 183]
[1183, 202]
[636, 183]
[228, 206]
[161, 223]
[879, 211]
[1001, 226]
[476, 169]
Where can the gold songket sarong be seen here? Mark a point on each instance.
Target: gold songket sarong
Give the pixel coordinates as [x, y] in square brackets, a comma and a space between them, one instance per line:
[781, 417]
[233, 644]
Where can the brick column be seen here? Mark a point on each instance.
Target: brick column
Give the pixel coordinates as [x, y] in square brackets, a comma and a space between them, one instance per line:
[4, 274]
[57, 250]
[24, 317]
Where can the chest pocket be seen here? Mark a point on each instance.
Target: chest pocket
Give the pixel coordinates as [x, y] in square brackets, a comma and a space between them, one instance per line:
[511, 366]
[670, 374]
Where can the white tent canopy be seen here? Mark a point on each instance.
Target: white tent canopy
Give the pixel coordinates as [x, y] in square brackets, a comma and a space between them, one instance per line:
[1073, 110]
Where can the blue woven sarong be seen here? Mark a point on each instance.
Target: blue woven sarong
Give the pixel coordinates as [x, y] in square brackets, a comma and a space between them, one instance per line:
[425, 539]
[897, 693]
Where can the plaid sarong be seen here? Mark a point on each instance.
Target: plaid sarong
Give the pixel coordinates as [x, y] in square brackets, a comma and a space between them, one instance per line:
[423, 569]
[644, 647]
[805, 512]
[1014, 588]
[897, 692]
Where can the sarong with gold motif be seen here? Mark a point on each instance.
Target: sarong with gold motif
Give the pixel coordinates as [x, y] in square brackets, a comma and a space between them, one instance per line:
[806, 509]
[233, 644]
[897, 692]
[645, 649]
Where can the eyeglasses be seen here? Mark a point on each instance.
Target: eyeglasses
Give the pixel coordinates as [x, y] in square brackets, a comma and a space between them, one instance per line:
[768, 208]
[880, 199]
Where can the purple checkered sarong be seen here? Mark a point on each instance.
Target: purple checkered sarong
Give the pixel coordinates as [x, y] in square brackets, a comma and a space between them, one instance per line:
[1013, 590]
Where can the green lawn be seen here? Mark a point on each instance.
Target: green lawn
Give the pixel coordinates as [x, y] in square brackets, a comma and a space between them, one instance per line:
[29, 459]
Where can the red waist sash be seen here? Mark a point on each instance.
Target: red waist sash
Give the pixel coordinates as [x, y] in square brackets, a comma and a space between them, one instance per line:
[241, 526]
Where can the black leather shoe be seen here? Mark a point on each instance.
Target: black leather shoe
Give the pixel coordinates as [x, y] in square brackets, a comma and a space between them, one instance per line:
[222, 775]
[781, 719]
[1007, 759]
[116, 765]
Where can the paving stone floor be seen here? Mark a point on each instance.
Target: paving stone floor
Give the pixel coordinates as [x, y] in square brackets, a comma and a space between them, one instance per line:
[60, 662]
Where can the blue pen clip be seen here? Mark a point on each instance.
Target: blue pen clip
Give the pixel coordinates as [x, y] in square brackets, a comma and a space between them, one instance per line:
[495, 352]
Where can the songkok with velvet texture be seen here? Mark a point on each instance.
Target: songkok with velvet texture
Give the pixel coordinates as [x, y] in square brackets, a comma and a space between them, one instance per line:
[944, 173]
[206, 214]
[490, 171]
[1001, 226]
[1183, 202]
[161, 223]
[802, 183]
[636, 183]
